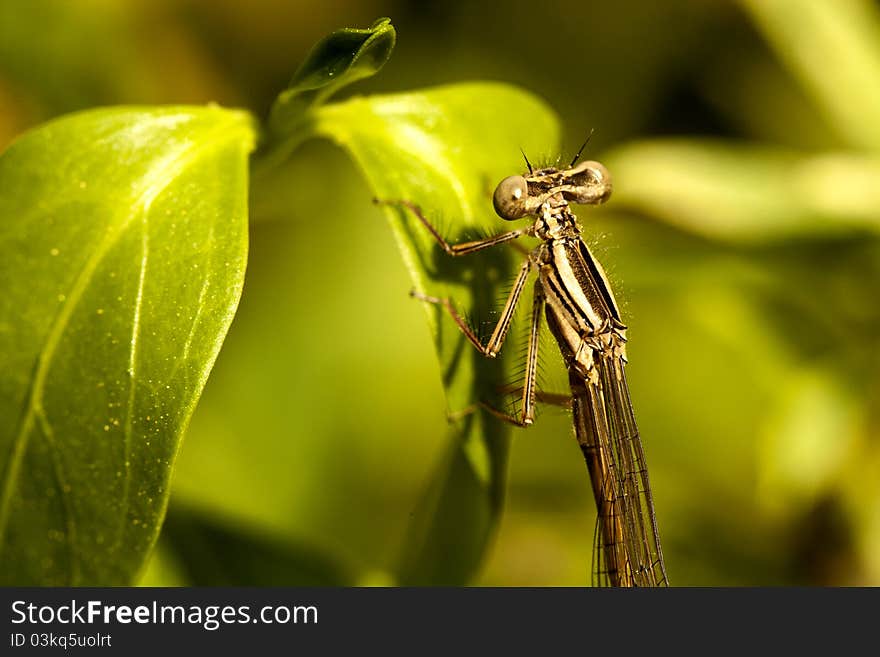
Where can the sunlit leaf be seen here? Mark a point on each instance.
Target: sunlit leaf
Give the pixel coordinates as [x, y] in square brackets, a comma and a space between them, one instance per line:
[340, 59]
[443, 149]
[123, 242]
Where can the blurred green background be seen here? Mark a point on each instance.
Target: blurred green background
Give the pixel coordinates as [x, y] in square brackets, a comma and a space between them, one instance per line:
[742, 241]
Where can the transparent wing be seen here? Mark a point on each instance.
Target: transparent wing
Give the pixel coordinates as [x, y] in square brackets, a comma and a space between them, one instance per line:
[626, 542]
[626, 448]
[600, 568]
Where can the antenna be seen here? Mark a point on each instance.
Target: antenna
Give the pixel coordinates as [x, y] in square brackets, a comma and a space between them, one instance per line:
[528, 164]
[581, 149]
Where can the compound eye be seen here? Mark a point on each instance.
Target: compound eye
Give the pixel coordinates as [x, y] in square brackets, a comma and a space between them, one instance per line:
[510, 198]
[590, 184]
[589, 173]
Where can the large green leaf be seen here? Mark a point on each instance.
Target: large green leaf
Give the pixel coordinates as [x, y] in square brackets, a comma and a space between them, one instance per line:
[443, 149]
[123, 241]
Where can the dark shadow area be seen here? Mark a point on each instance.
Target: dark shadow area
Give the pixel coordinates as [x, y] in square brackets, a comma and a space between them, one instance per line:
[215, 554]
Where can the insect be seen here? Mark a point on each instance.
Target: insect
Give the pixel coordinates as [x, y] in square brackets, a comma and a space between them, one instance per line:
[573, 294]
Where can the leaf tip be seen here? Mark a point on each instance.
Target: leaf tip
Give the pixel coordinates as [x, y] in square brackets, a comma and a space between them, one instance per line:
[339, 59]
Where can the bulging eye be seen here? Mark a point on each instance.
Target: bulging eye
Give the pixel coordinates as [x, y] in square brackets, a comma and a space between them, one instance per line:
[510, 198]
[589, 173]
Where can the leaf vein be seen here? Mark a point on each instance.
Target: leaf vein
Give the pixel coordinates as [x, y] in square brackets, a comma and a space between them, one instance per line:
[63, 487]
[132, 373]
[160, 176]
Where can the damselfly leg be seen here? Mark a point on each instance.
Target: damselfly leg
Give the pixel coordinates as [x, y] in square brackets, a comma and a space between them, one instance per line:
[465, 248]
[496, 340]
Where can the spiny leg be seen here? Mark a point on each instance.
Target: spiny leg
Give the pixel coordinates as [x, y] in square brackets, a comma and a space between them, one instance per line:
[464, 248]
[528, 396]
[527, 414]
[560, 399]
[493, 346]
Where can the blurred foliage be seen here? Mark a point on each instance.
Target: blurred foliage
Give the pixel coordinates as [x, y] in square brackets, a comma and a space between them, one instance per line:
[744, 251]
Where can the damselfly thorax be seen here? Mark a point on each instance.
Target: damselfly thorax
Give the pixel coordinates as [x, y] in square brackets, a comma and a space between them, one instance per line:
[573, 293]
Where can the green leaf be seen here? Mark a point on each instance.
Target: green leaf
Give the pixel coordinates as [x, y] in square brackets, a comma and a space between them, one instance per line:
[747, 193]
[122, 245]
[457, 516]
[341, 58]
[833, 47]
[444, 149]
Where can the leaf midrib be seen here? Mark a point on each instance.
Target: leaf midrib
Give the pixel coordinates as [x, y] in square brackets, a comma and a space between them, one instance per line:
[155, 182]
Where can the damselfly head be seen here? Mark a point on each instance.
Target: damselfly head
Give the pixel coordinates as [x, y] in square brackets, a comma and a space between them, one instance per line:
[586, 183]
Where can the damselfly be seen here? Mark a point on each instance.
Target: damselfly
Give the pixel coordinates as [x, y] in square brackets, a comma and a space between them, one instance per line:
[574, 295]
